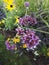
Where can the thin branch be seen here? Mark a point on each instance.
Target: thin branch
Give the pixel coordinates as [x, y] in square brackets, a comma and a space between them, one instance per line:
[42, 27]
[38, 30]
[44, 21]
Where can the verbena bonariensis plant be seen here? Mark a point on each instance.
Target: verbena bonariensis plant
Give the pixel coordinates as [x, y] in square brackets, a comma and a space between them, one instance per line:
[26, 38]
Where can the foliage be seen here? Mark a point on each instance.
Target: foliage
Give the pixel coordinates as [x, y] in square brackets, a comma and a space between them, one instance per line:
[38, 9]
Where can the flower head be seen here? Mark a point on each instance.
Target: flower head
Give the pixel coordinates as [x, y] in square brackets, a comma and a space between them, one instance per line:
[10, 7]
[27, 20]
[17, 20]
[20, 31]
[26, 4]
[2, 23]
[9, 46]
[24, 45]
[31, 39]
[16, 40]
[11, 43]
[28, 37]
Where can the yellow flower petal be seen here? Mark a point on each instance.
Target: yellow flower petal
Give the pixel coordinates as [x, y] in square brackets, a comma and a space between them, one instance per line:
[10, 7]
[0, 22]
[8, 1]
[3, 21]
[48, 54]
[48, 49]
[16, 40]
[8, 39]
[17, 21]
[24, 46]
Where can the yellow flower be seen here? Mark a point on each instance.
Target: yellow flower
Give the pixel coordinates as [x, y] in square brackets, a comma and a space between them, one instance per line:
[17, 20]
[24, 46]
[10, 7]
[8, 39]
[48, 49]
[47, 53]
[8, 1]
[2, 22]
[16, 40]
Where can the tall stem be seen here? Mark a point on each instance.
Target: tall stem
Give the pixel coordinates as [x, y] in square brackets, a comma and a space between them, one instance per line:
[26, 11]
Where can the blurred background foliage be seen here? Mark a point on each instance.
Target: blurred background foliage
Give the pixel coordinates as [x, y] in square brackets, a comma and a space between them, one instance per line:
[42, 6]
[9, 58]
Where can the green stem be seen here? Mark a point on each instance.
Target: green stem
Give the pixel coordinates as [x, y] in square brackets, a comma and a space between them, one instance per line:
[38, 30]
[45, 21]
[26, 11]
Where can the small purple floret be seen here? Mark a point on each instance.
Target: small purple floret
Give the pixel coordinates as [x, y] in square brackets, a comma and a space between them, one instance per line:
[8, 46]
[27, 20]
[26, 4]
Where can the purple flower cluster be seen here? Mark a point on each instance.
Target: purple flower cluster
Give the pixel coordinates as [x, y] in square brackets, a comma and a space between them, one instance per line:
[26, 4]
[27, 20]
[29, 38]
[9, 46]
[20, 31]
